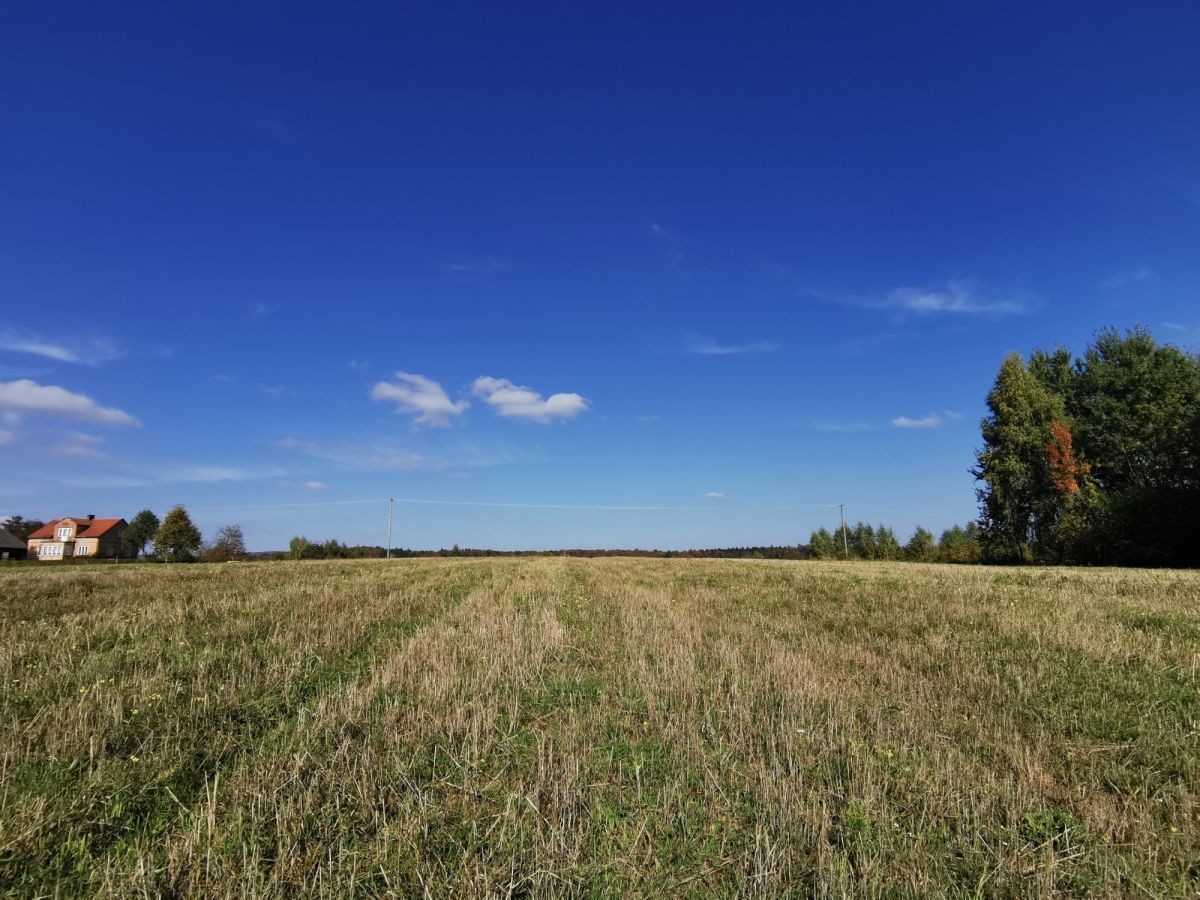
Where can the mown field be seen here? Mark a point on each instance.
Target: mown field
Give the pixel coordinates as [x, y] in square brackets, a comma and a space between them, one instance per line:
[609, 727]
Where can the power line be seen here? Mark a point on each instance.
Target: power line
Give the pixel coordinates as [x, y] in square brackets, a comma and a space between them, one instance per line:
[488, 503]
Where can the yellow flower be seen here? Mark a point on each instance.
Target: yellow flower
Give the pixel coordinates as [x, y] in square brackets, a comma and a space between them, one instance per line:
[133, 759]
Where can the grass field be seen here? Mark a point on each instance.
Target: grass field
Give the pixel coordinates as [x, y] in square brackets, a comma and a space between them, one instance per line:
[609, 727]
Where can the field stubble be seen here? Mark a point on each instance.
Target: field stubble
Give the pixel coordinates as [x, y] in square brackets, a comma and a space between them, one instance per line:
[608, 727]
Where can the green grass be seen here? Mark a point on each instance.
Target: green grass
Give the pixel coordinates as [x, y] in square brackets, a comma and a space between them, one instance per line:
[598, 727]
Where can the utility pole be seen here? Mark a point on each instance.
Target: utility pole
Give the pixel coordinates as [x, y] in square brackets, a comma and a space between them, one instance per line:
[391, 504]
[845, 543]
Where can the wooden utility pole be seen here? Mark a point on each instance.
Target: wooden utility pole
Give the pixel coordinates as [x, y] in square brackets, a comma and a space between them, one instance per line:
[845, 543]
[391, 504]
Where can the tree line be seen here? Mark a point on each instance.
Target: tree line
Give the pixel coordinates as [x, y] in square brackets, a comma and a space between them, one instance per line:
[957, 544]
[173, 539]
[1093, 459]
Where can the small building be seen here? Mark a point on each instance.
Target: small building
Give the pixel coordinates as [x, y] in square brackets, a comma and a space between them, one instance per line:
[11, 546]
[81, 537]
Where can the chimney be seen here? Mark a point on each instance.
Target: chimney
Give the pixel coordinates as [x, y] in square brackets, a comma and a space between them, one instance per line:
[90, 517]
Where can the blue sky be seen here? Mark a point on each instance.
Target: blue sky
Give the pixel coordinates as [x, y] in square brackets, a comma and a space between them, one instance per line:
[270, 260]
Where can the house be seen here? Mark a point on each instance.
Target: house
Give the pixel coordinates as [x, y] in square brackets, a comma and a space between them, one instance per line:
[11, 546]
[81, 537]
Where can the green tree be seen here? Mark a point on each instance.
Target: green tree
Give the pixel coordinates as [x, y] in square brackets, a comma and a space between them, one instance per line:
[302, 548]
[140, 532]
[886, 544]
[1135, 404]
[960, 545]
[822, 545]
[229, 544]
[22, 528]
[862, 541]
[1018, 500]
[921, 547]
[177, 538]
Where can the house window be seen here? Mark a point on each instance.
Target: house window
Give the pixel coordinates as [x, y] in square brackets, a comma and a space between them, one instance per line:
[81, 550]
[64, 533]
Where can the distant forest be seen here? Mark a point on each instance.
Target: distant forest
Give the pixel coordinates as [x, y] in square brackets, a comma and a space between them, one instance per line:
[957, 544]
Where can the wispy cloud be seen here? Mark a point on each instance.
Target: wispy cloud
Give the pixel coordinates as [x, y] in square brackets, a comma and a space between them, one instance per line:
[699, 345]
[839, 427]
[715, 495]
[355, 455]
[148, 475]
[80, 445]
[487, 265]
[1127, 278]
[315, 486]
[86, 351]
[258, 311]
[1185, 334]
[420, 395]
[518, 402]
[961, 298]
[29, 397]
[930, 421]
[7, 437]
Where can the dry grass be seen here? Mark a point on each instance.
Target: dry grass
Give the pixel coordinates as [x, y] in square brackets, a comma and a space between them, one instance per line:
[598, 727]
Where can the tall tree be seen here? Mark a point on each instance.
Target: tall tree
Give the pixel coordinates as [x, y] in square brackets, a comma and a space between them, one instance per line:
[177, 538]
[1135, 404]
[140, 532]
[1019, 507]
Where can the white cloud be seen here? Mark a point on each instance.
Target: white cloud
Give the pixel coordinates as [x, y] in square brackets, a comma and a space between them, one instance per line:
[315, 486]
[951, 414]
[27, 396]
[1127, 278]
[418, 394]
[519, 402]
[699, 345]
[954, 298]
[90, 352]
[715, 495]
[930, 421]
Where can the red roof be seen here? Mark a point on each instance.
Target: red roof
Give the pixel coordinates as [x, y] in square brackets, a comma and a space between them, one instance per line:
[84, 527]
